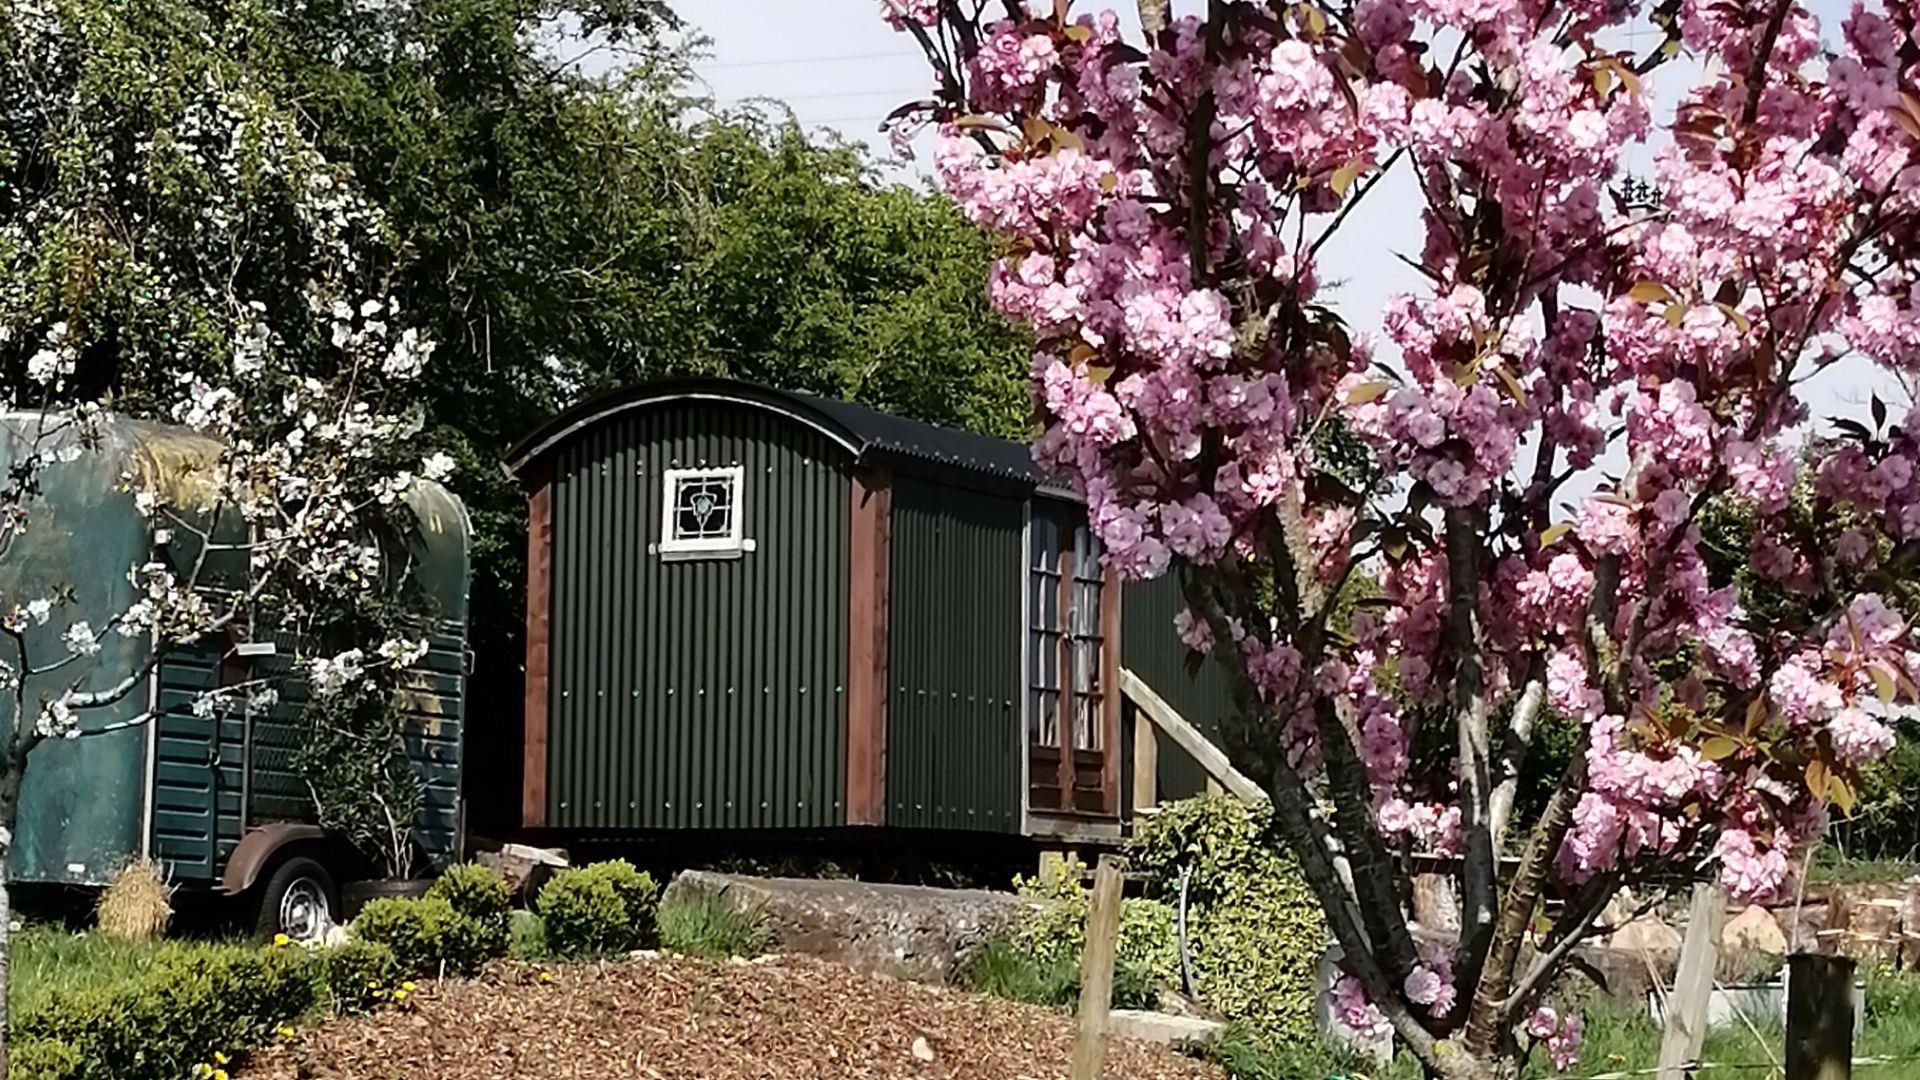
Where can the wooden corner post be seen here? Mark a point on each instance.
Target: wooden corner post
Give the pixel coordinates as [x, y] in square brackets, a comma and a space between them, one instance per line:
[539, 670]
[867, 616]
[1096, 969]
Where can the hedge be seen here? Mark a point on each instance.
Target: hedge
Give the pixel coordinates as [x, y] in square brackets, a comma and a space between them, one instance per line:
[193, 1003]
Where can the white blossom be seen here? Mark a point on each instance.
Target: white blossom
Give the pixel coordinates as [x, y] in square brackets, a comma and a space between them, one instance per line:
[80, 639]
[327, 676]
[401, 652]
[436, 467]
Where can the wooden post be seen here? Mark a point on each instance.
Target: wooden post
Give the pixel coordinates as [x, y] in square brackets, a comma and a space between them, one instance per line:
[1146, 762]
[1096, 969]
[1819, 1017]
[1686, 1026]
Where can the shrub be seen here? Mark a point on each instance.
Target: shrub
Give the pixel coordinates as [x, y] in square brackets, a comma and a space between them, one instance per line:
[360, 975]
[475, 892]
[415, 930]
[460, 924]
[599, 909]
[1054, 930]
[192, 1002]
[1255, 932]
[706, 925]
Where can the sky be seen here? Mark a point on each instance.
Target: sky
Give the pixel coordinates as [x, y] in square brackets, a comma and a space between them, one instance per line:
[838, 66]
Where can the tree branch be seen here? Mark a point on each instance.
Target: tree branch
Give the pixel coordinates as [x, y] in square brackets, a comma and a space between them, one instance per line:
[1513, 755]
[1479, 870]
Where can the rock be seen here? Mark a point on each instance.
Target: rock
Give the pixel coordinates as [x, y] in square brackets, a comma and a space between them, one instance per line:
[524, 867]
[1179, 1032]
[921, 1051]
[1754, 930]
[1647, 936]
[904, 931]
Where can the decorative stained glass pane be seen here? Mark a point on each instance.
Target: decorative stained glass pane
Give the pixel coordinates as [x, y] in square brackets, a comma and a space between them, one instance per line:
[703, 508]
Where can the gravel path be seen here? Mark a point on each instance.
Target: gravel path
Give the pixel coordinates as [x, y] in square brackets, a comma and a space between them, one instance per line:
[795, 1018]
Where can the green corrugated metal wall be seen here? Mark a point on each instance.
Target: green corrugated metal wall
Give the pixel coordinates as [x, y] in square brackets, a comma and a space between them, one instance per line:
[1151, 650]
[707, 693]
[953, 720]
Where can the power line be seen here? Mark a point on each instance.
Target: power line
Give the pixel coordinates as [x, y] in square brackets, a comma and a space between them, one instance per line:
[807, 60]
[830, 96]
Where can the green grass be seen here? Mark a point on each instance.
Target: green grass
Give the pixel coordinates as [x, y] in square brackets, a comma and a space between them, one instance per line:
[47, 959]
[1004, 969]
[1623, 1039]
[708, 926]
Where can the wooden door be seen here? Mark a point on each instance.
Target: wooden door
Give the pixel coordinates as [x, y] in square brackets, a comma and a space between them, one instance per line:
[1073, 716]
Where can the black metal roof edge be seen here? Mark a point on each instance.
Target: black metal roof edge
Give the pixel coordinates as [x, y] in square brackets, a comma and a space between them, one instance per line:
[865, 433]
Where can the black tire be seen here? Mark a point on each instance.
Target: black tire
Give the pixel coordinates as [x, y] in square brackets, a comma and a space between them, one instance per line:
[287, 900]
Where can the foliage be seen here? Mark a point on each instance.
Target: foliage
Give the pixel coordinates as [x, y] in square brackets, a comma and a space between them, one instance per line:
[192, 1002]
[1054, 928]
[430, 937]
[598, 910]
[1011, 969]
[360, 975]
[1255, 931]
[352, 754]
[707, 925]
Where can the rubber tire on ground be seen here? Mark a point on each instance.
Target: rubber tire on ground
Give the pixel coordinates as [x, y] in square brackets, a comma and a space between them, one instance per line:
[280, 882]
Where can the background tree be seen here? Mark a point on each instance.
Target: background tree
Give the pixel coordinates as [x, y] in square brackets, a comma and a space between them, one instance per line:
[1162, 206]
[575, 226]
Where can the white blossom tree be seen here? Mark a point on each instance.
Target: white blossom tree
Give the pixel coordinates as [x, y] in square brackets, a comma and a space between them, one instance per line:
[173, 247]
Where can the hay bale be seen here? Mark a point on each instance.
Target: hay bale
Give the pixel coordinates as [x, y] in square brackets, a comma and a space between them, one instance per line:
[138, 905]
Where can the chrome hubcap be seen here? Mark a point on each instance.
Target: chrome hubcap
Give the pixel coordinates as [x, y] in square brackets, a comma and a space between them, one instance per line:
[304, 914]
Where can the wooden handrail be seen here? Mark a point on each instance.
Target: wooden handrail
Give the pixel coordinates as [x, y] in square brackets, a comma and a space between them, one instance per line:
[1189, 738]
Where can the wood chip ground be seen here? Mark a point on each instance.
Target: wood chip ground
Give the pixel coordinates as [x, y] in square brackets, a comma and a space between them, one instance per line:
[795, 1018]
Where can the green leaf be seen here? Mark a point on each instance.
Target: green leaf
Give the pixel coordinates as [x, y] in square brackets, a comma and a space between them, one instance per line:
[1882, 682]
[1719, 748]
[1650, 292]
[1367, 391]
[1552, 534]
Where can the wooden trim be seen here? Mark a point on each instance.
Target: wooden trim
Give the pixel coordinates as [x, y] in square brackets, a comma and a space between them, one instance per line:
[1189, 738]
[867, 622]
[1146, 763]
[1063, 711]
[1110, 688]
[533, 779]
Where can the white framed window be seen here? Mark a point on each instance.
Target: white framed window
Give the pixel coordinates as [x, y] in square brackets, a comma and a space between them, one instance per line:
[700, 514]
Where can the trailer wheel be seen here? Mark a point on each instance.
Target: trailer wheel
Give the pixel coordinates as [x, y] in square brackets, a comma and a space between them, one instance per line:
[298, 900]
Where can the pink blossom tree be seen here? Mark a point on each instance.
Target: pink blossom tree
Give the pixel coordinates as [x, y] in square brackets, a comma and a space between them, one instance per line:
[1592, 361]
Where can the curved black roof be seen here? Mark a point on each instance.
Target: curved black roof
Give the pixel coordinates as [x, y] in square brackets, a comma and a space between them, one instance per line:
[866, 434]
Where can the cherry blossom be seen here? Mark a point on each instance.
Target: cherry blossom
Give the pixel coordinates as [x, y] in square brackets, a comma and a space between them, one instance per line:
[1596, 363]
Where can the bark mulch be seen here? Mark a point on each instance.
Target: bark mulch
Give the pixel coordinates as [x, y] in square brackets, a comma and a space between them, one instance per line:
[790, 1017]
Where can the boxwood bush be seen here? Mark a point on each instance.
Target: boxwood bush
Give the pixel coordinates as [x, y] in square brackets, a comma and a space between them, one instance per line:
[193, 1002]
[460, 924]
[598, 910]
[360, 975]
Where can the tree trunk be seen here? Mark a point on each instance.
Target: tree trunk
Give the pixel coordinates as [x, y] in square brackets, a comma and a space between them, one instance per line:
[6, 939]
